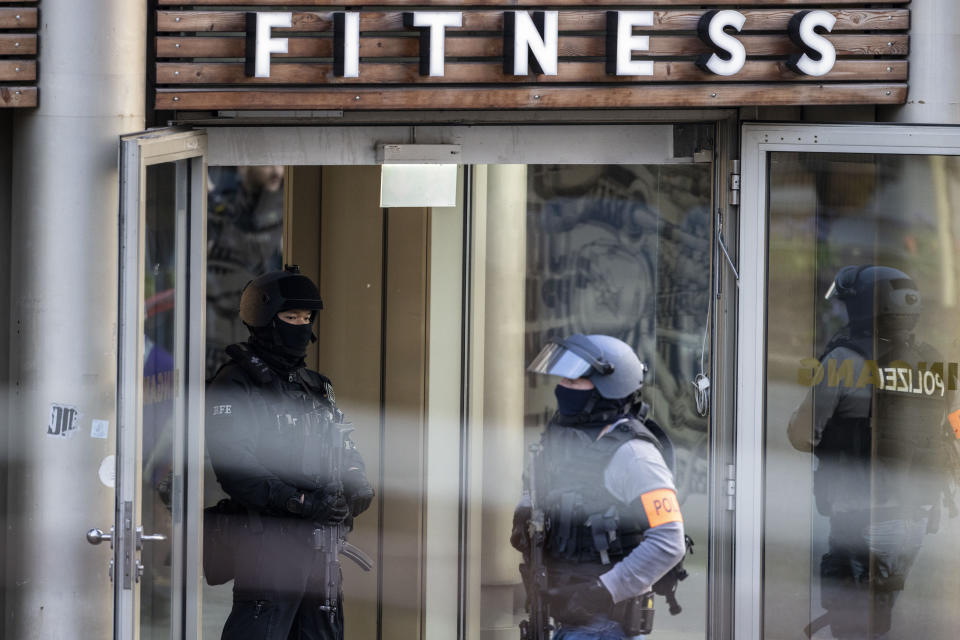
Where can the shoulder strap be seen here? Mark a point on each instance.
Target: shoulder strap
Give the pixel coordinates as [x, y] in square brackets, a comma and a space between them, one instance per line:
[252, 365]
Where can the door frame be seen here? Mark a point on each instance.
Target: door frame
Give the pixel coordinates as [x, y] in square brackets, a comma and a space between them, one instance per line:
[758, 140]
[137, 152]
[508, 138]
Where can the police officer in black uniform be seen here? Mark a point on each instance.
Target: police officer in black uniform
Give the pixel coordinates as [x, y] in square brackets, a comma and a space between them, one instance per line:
[274, 433]
[615, 527]
[875, 420]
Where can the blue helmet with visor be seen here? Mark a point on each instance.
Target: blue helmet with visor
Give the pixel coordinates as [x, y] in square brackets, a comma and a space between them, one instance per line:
[610, 364]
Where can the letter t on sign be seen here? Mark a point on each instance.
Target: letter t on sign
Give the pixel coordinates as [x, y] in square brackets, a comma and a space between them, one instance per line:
[260, 44]
[432, 26]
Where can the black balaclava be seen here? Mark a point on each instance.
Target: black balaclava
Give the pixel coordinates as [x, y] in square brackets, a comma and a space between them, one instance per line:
[570, 402]
[282, 345]
[588, 410]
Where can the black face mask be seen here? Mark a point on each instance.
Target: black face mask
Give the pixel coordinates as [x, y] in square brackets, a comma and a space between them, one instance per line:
[282, 346]
[572, 401]
[295, 337]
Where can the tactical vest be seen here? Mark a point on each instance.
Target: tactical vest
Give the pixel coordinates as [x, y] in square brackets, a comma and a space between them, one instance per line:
[300, 419]
[588, 525]
[894, 456]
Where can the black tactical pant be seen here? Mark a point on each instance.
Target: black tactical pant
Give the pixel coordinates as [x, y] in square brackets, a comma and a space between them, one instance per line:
[865, 569]
[278, 587]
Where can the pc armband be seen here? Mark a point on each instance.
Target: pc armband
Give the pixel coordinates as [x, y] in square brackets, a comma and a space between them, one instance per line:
[661, 506]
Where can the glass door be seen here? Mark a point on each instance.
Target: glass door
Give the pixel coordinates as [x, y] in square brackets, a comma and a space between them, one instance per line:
[848, 420]
[160, 460]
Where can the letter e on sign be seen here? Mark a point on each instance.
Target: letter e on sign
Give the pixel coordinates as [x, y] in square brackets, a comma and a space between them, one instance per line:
[661, 506]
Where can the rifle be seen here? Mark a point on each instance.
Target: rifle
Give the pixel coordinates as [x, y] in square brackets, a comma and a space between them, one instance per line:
[533, 571]
[331, 540]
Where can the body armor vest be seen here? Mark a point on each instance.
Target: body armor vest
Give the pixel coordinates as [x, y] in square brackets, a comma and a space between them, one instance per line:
[894, 456]
[588, 525]
[303, 429]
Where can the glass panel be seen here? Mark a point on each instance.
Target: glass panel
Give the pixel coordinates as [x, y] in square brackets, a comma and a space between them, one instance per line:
[161, 390]
[621, 250]
[244, 240]
[862, 351]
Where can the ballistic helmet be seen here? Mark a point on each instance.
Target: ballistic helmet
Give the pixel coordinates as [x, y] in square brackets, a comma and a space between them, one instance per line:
[877, 297]
[276, 291]
[610, 364]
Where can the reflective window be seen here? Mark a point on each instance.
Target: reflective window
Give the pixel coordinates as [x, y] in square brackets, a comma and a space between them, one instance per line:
[431, 316]
[620, 250]
[244, 239]
[861, 390]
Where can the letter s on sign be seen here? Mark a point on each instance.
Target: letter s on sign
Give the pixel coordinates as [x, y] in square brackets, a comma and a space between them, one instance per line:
[819, 54]
[729, 56]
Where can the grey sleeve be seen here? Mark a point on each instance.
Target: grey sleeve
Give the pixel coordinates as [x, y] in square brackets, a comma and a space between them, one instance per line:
[637, 468]
[836, 392]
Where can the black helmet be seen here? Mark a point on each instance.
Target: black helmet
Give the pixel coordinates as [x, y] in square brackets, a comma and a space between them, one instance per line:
[611, 364]
[877, 297]
[276, 291]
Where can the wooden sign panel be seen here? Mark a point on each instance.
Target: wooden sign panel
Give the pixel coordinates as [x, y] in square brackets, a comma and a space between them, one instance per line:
[18, 53]
[535, 54]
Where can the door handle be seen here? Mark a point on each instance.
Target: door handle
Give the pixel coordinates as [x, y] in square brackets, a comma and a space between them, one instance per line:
[150, 537]
[96, 536]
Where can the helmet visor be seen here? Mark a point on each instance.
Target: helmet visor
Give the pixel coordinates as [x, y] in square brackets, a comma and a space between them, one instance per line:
[557, 360]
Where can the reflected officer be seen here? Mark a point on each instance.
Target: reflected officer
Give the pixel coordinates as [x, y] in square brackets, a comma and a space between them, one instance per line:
[603, 487]
[281, 450]
[880, 447]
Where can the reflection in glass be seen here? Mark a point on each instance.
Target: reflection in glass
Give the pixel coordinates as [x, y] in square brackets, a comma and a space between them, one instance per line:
[160, 386]
[244, 240]
[861, 379]
[618, 250]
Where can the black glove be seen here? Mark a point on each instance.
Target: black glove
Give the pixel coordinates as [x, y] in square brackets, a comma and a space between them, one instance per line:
[358, 491]
[519, 539]
[579, 603]
[325, 506]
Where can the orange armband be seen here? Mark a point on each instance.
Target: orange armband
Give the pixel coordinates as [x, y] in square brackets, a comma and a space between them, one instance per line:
[661, 506]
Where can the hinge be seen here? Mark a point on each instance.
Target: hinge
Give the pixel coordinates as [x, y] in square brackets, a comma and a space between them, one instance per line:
[735, 183]
[731, 483]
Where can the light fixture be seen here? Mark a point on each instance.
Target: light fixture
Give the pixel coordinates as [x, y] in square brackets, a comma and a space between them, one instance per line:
[418, 175]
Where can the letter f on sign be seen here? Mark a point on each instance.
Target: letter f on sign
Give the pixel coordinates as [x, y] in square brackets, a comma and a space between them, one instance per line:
[259, 42]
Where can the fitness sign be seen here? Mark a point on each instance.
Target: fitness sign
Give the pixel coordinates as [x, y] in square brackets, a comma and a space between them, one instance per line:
[530, 42]
[492, 55]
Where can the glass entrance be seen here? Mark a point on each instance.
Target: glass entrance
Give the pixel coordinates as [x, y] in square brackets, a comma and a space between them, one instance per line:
[431, 315]
[850, 474]
[161, 385]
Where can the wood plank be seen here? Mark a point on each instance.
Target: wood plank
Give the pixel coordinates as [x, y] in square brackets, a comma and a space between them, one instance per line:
[18, 70]
[813, 4]
[582, 20]
[18, 17]
[13, 44]
[714, 95]
[19, 96]
[489, 73]
[481, 47]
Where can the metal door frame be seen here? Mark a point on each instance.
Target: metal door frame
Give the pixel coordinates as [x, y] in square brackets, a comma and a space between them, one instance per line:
[137, 152]
[555, 138]
[758, 140]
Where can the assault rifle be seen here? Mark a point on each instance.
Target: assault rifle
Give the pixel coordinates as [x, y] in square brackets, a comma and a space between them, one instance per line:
[331, 540]
[533, 571]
